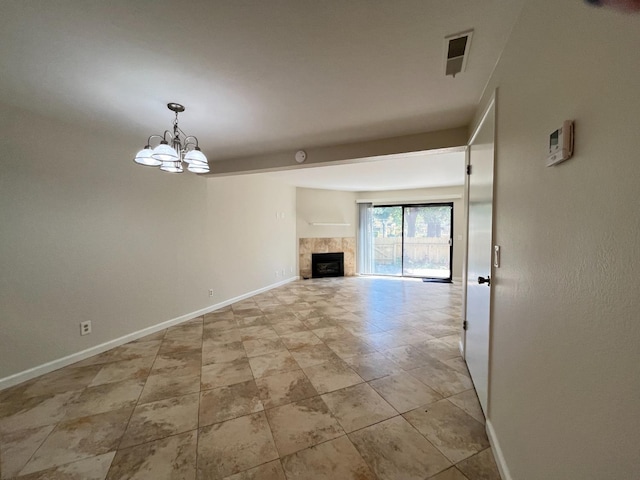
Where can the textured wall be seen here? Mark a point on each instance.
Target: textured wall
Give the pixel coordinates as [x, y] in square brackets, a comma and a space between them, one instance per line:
[564, 378]
[88, 235]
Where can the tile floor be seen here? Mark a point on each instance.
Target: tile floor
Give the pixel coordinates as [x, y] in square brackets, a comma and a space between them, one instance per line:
[350, 378]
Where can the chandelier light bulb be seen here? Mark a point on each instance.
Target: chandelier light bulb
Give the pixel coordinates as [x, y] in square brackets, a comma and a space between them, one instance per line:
[198, 168]
[195, 156]
[171, 167]
[143, 157]
[164, 152]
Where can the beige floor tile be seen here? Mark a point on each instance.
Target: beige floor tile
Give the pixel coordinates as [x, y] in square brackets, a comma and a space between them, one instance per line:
[92, 468]
[457, 364]
[167, 385]
[468, 401]
[350, 347]
[436, 329]
[252, 321]
[442, 378]
[16, 448]
[320, 321]
[23, 413]
[143, 347]
[215, 351]
[331, 376]
[285, 388]
[313, 355]
[63, 380]
[258, 332]
[171, 457]
[450, 474]
[180, 363]
[373, 365]
[268, 471]
[80, 438]
[332, 460]
[481, 466]
[225, 336]
[302, 424]
[358, 406]
[263, 346]
[334, 333]
[134, 369]
[300, 339]
[355, 316]
[408, 357]
[223, 374]
[289, 326]
[173, 345]
[104, 398]
[272, 363]
[151, 421]
[234, 446]
[440, 349]
[220, 325]
[455, 433]
[404, 392]
[225, 403]
[395, 450]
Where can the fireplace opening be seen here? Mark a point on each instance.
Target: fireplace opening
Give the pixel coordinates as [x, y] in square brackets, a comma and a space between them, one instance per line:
[327, 265]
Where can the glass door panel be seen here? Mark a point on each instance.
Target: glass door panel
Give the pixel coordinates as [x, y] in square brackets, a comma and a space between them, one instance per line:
[387, 240]
[427, 245]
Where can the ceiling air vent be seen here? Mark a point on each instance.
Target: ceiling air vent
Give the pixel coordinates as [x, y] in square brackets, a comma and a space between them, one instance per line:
[456, 50]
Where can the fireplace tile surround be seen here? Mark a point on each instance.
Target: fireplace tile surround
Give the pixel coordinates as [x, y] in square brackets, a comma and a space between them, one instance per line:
[307, 246]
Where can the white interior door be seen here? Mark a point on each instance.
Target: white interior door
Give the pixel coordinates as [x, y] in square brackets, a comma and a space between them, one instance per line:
[480, 213]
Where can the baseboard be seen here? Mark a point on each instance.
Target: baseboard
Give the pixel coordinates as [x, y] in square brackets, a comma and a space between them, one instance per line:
[457, 279]
[497, 452]
[25, 375]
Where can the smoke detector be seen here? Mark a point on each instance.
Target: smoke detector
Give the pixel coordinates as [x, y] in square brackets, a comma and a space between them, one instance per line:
[456, 52]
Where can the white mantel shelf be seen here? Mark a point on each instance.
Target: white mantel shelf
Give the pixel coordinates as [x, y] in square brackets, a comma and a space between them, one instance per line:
[326, 224]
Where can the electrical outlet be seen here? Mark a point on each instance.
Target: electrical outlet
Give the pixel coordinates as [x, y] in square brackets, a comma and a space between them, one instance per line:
[290, 269]
[277, 273]
[85, 327]
[211, 292]
[284, 272]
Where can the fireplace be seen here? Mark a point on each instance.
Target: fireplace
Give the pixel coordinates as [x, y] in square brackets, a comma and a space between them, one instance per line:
[327, 265]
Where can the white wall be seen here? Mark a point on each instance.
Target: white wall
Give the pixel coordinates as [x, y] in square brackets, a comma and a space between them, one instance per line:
[431, 195]
[251, 233]
[565, 357]
[88, 235]
[326, 206]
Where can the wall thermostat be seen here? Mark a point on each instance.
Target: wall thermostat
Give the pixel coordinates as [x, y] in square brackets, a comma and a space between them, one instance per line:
[560, 144]
[301, 156]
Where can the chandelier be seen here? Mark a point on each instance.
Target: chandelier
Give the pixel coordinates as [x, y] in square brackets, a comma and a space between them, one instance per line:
[173, 149]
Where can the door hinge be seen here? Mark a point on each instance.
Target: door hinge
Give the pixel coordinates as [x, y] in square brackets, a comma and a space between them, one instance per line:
[464, 325]
[468, 169]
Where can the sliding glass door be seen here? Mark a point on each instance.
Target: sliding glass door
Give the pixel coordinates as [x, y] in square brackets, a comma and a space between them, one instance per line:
[387, 240]
[412, 240]
[427, 247]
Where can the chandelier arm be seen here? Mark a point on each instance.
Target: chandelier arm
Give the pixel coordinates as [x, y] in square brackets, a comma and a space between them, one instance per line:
[188, 142]
[153, 136]
[168, 133]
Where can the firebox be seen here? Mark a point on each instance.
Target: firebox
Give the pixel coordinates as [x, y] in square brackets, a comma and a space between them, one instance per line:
[327, 265]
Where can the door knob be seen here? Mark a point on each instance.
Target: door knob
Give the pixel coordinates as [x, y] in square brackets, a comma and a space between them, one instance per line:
[487, 280]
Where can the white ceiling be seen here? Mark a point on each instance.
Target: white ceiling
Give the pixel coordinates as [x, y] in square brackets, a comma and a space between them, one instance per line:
[393, 172]
[256, 76]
